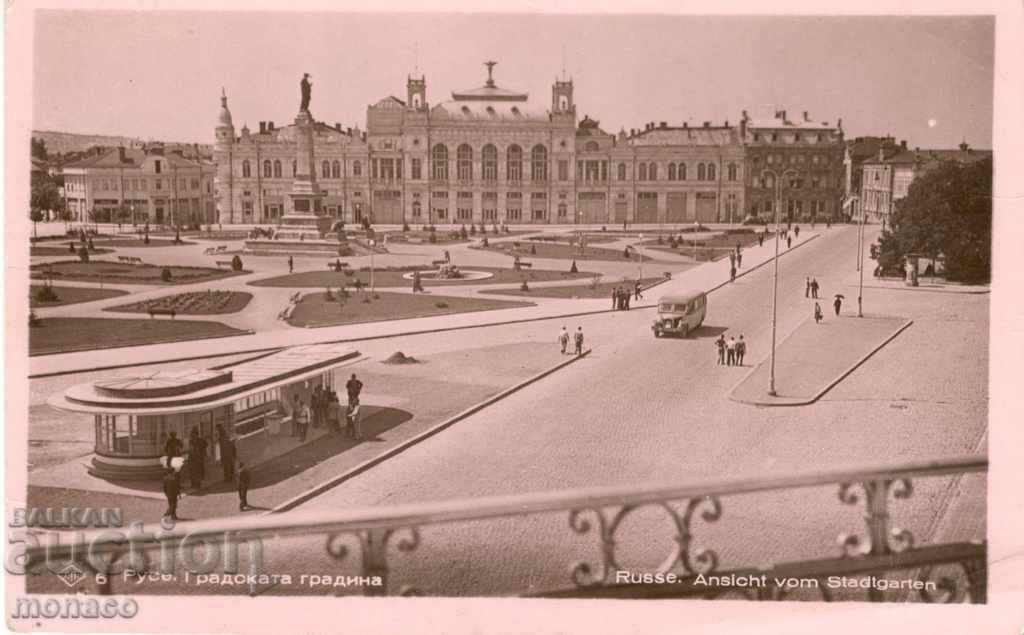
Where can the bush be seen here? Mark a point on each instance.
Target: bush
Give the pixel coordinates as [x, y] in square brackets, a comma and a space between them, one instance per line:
[405, 227]
[472, 229]
[236, 263]
[165, 274]
[83, 254]
[661, 240]
[524, 286]
[672, 242]
[625, 253]
[376, 296]
[441, 305]
[33, 320]
[328, 295]
[533, 250]
[46, 293]
[92, 247]
[71, 247]
[484, 243]
[432, 237]
[573, 268]
[494, 229]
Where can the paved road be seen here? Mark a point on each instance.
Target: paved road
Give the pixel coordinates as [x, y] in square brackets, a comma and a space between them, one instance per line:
[642, 410]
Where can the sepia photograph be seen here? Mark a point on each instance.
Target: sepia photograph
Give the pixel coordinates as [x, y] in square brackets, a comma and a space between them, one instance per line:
[319, 304]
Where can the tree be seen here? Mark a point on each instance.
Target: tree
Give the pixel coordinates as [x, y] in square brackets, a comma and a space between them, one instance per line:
[43, 196]
[946, 212]
[39, 149]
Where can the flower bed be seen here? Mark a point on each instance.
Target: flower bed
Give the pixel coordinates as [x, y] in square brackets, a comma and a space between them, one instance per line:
[207, 302]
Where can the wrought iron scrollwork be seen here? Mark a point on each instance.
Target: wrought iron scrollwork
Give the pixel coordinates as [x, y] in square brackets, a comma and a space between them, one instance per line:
[373, 546]
[880, 538]
[584, 574]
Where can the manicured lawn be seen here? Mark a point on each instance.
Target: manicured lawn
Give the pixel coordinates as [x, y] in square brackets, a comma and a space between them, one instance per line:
[316, 310]
[72, 295]
[527, 249]
[392, 277]
[443, 236]
[578, 291]
[61, 335]
[712, 248]
[63, 251]
[139, 242]
[208, 302]
[110, 271]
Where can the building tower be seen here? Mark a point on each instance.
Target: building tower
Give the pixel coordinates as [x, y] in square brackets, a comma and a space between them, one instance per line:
[561, 98]
[416, 90]
[223, 156]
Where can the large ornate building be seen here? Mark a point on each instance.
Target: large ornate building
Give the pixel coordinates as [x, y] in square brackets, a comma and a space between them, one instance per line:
[490, 155]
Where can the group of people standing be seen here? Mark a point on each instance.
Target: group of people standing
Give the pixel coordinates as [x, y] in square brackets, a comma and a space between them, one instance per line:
[577, 339]
[195, 466]
[731, 351]
[621, 296]
[811, 288]
[735, 261]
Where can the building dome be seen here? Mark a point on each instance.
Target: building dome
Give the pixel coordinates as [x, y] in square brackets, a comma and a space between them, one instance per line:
[225, 115]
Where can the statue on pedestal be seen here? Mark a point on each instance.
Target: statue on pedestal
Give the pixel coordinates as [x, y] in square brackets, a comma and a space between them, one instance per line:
[306, 87]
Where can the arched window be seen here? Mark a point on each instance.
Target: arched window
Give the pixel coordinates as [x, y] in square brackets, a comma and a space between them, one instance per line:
[465, 162]
[539, 163]
[682, 172]
[652, 171]
[701, 172]
[246, 170]
[357, 168]
[732, 171]
[267, 172]
[642, 176]
[671, 171]
[489, 154]
[591, 146]
[514, 163]
[622, 171]
[439, 162]
[336, 169]
[417, 209]
[769, 180]
[277, 169]
[325, 170]
[711, 171]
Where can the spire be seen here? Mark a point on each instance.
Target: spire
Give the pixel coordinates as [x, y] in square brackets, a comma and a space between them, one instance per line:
[225, 115]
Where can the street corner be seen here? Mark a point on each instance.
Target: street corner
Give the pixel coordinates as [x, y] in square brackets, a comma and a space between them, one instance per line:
[815, 357]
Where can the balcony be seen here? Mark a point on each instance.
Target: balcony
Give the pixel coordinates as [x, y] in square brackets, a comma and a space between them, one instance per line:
[576, 539]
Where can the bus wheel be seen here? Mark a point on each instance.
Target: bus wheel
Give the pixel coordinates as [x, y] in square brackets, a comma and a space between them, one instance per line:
[685, 331]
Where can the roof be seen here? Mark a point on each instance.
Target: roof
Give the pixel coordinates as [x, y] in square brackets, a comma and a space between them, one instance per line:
[134, 158]
[781, 123]
[681, 298]
[684, 137]
[164, 392]
[489, 93]
[932, 157]
[487, 110]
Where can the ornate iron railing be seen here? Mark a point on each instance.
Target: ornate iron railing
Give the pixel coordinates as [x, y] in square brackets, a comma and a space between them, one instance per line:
[958, 568]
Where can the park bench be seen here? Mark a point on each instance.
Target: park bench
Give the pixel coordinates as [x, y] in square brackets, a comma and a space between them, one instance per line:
[131, 260]
[209, 251]
[335, 266]
[522, 265]
[155, 312]
[224, 263]
[438, 263]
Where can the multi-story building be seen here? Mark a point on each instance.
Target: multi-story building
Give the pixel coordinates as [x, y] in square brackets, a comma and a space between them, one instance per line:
[490, 155]
[858, 151]
[886, 179]
[797, 164]
[139, 184]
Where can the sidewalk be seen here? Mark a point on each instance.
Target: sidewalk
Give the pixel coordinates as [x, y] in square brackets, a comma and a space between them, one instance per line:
[815, 357]
[706, 276]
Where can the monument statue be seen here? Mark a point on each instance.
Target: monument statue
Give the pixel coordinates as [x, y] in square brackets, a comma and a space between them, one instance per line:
[306, 86]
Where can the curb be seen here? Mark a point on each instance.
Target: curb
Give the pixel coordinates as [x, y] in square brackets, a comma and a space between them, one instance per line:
[316, 490]
[402, 334]
[829, 386]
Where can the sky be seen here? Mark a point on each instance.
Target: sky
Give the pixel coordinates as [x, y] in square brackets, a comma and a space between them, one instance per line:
[158, 75]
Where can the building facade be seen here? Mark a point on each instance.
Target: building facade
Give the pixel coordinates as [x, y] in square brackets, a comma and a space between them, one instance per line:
[490, 155]
[140, 185]
[886, 179]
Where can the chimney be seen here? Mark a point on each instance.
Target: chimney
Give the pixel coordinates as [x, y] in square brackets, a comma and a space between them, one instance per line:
[726, 124]
[745, 117]
[663, 124]
[348, 131]
[270, 126]
[120, 155]
[632, 132]
[337, 126]
[903, 145]
[806, 116]
[783, 115]
[686, 124]
[743, 126]
[707, 124]
[263, 127]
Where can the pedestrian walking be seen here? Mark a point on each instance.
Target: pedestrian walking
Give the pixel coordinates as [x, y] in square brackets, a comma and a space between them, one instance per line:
[563, 339]
[353, 387]
[352, 422]
[796, 230]
[730, 352]
[626, 296]
[741, 350]
[739, 259]
[789, 242]
[172, 447]
[615, 299]
[227, 453]
[838, 304]
[578, 339]
[732, 273]
[814, 288]
[637, 291]
[196, 459]
[732, 258]
[807, 287]
[244, 479]
[760, 240]
[172, 491]
[817, 313]
[720, 345]
[291, 264]
[301, 416]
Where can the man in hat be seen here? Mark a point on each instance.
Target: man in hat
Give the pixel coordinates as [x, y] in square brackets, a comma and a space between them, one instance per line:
[578, 339]
[563, 339]
[741, 350]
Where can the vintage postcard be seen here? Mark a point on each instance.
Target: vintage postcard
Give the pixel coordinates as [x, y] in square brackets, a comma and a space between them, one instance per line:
[310, 304]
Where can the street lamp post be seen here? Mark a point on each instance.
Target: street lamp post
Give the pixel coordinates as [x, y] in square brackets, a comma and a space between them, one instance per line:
[860, 262]
[373, 244]
[775, 275]
[641, 244]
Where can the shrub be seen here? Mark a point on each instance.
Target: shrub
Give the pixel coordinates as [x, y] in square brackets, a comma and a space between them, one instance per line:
[46, 293]
[484, 242]
[328, 295]
[533, 250]
[366, 300]
[524, 286]
[405, 227]
[507, 230]
[472, 229]
[625, 252]
[165, 274]
[432, 237]
[376, 296]
[92, 247]
[603, 228]
[33, 320]
[661, 241]
[236, 263]
[573, 268]
[83, 254]
[494, 229]
[71, 247]
[441, 305]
